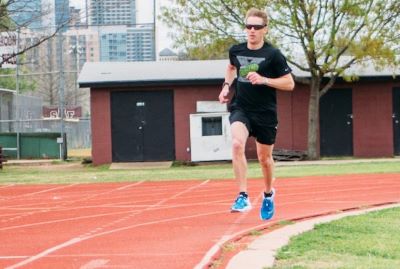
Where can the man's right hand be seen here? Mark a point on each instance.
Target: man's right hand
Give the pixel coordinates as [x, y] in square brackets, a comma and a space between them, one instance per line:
[223, 96]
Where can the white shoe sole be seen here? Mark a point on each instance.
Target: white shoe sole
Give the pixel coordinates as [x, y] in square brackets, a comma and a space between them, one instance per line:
[247, 208]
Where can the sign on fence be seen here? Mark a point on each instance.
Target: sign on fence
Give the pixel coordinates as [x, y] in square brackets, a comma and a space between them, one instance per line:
[69, 112]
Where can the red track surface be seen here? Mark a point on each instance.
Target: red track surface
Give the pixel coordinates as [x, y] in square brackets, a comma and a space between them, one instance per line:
[158, 224]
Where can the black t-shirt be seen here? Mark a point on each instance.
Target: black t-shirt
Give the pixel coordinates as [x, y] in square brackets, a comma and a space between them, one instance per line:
[266, 61]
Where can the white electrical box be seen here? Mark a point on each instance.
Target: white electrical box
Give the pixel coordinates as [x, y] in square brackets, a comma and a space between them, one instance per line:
[210, 137]
[210, 107]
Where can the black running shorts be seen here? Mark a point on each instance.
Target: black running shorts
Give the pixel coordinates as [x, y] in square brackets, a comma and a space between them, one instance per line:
[260, 125]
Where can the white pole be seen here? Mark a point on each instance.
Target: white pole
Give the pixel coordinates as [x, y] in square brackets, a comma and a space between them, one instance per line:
[16, 97]
[61, 94]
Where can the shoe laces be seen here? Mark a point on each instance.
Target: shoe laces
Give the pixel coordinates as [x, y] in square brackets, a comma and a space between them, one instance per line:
[267, 201]
[241, 200]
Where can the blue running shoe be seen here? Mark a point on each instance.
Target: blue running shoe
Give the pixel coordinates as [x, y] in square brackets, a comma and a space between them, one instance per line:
[241, 204]
[268, 207]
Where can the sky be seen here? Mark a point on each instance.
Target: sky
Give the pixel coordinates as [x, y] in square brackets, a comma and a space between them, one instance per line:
[144, 15]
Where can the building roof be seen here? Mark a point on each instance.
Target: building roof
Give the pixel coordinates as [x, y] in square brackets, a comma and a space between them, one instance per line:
[103, 74]
[100, 74]
[167, 52]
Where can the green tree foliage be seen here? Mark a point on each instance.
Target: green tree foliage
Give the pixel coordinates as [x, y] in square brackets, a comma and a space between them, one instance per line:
[206, 29]
[323, 38]
[4, 19]
[8, 81]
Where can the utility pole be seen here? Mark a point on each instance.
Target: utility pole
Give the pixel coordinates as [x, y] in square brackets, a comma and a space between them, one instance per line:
[62, 140]
[77, 50]
[17, 97]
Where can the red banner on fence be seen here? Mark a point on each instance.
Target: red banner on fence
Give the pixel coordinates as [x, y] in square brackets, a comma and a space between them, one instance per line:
[69, 112]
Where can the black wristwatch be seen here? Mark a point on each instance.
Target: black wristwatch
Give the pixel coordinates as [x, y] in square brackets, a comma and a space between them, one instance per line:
[225, 83]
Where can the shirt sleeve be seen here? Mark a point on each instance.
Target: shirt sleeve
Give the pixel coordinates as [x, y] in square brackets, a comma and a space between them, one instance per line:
[280, 65]
[231, 56]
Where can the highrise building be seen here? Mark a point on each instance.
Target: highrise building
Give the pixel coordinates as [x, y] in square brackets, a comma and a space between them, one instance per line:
[113, 46]
[112, 12]
[62, 13]
[75, 14]
[26, 13]
[140, 44]
[121, 39]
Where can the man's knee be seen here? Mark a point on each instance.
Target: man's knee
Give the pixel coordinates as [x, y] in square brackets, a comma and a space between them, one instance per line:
[266, 160]
[238, 146]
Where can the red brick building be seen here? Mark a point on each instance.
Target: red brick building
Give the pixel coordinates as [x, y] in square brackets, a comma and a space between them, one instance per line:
[141, 111]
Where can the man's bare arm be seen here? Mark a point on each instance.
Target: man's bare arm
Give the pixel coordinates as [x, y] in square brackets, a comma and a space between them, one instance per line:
[230, 75]
[284, 83]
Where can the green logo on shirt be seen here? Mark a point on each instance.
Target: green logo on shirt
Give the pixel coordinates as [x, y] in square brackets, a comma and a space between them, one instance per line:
[245, 70]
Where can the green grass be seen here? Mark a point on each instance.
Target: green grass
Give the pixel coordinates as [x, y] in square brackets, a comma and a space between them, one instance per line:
[57, 173]
[359, 242]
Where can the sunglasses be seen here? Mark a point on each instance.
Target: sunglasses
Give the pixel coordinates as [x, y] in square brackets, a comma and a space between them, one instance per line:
[255, 26]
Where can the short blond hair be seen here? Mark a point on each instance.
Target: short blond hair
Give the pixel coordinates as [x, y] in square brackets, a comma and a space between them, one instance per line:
[254, 12]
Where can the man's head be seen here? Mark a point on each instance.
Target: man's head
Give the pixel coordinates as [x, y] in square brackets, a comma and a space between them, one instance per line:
[256, 25]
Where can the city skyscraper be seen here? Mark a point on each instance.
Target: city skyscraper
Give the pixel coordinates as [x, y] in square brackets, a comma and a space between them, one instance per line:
[112, 12]
[121, 39]
[140, 44]
[113, 45]
[62, 13]
[26, 13]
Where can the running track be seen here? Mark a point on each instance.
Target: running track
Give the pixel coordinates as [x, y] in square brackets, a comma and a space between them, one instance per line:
[169, 225]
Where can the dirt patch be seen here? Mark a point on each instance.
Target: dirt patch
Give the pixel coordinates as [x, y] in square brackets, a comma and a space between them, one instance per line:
[73, 166]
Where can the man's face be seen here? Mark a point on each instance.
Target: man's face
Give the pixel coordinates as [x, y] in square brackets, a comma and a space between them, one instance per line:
[257, 30]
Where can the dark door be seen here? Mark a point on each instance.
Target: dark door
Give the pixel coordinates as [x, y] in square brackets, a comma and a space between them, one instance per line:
[336, 125]
[142, 126]
[396, 120]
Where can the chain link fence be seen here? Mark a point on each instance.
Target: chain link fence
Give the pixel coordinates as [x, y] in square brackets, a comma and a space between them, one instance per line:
[39, 89]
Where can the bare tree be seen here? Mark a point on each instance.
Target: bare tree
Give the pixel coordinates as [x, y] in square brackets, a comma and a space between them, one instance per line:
[19, 15]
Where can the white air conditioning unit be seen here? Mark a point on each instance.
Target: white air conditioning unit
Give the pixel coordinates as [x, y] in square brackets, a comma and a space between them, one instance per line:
[210, 136]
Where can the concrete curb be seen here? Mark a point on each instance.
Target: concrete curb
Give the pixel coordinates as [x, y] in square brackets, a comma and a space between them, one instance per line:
[261, 252]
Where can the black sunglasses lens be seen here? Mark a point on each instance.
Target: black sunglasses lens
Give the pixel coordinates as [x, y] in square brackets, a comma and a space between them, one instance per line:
[256, 27]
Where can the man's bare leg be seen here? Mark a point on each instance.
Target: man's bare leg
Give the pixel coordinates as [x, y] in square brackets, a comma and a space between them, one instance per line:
[264, 153]
[239, 138]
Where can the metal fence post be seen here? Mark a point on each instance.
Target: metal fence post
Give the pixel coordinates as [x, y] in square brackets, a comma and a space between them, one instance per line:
[61, 95]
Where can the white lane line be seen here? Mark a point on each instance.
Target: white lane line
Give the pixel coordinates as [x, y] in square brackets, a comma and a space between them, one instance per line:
[225, 237]
[102, 193]
[12, 257]
[39, 192]
[63, 204]
[81, 239]
[93, 264]
[97, 255]
[130, 185]
[64, 220]
[45, 253]
[134, 209]
[145, 209]
[96, 233]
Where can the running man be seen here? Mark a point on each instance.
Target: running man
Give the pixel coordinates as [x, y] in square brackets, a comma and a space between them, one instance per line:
[260, 70]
